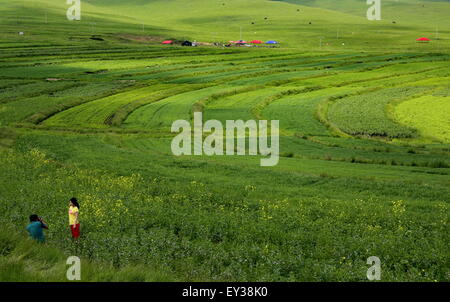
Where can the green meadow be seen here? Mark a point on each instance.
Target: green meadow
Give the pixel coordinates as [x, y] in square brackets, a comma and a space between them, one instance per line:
[86, 109]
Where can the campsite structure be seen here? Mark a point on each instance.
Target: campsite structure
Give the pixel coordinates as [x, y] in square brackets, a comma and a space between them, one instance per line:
[423, 39]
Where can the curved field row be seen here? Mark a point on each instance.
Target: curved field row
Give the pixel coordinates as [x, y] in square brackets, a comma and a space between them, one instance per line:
[8, 84]
[297, 112]
[186, 73]
[182, 106]
[119, 116]
[178, 107]
[431, 77]
[344, 150]
[429, 114]
[384, 72]
[164, 112]
[53, 120]
[95, 114]
[218, 74]
[201, 74]
[263, 71]
[249, 79]
[28, 90]
[74, 97]
[224, 73]
[285, 86]
[366, 114]
[309, 154]
[141, 67]
[18, 110]
[238, 106]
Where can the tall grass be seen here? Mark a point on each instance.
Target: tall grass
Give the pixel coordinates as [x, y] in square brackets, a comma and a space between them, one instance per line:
[191, 232]
[23, 260]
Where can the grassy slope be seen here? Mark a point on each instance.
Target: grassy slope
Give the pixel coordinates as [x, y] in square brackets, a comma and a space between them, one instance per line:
[222, 20]
[242, 230]
[22, 260]
[430, 123]
[312, 180]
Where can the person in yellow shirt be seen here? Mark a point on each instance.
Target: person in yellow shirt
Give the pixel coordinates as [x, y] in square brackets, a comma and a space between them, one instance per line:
[74, 214]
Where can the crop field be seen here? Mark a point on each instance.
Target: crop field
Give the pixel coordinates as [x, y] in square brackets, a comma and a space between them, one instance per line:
[86, 109]
[427, 113]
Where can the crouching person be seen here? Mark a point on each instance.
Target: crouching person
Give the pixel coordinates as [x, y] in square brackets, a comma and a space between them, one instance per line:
[35, 228]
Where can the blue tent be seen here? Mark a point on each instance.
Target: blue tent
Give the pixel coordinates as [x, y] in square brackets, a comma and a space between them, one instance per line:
[271, 42]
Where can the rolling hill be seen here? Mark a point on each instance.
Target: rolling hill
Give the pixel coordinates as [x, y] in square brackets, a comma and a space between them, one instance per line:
[300, 24]
[86, 109]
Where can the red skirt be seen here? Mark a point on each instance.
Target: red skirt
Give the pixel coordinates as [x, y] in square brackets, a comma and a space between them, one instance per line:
[75, 230]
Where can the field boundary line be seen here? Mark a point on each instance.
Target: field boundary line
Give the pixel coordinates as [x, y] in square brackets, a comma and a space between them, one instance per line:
[201, 104]
[40, 93]
[64, 107]
[321, 112]
[258, 108]
[390, 112]
[120, 116]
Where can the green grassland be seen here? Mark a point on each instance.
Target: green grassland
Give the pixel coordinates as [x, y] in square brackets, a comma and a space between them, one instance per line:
[365, 140]
[428, 114]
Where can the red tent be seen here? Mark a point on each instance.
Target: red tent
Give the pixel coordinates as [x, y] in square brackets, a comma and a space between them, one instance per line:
[167, 42]
[256, 42]
[423, 39]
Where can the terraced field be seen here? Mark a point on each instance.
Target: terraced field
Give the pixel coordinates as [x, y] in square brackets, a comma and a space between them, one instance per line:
[365, 145]
[428, 114]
